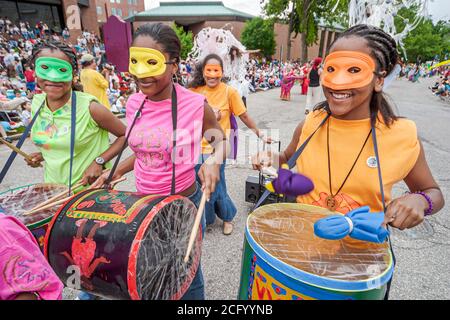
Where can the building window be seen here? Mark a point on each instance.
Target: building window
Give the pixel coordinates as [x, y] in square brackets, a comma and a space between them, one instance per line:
[113, 11]
[99, 10]
[119, 12]
[112, 1]
[117, 1]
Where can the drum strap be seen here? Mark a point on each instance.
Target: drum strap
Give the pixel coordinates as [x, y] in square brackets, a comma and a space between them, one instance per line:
[380, 180]
[73, 125]
[174, 125]
[19, 144]
[291, 162]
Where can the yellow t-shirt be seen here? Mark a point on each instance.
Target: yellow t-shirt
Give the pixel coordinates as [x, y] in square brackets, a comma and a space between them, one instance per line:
[398, 148]
[227, 100]
[95, 84]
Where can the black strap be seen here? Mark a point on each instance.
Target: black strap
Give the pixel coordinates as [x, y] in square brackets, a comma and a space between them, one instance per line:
[174, 126]
[380, 180]
[125, 144]
[19, 144]
[13, 154]
[293, 159]
[73, 125]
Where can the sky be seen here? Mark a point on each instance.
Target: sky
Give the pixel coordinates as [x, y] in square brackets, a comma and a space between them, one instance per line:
[439, 9]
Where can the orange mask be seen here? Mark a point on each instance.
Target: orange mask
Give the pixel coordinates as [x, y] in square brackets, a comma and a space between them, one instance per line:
[345, 70]
[212, 71]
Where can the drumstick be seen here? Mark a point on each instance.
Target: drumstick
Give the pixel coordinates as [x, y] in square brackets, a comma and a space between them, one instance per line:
[271, 171]
[51, 205]
[194, 230]
[13, 147]
[52, 199]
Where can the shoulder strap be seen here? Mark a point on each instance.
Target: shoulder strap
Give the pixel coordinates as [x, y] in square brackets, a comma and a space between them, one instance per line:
[291, 162]
[73, 120]
[125, 144]
[174, 126]
[19, 144]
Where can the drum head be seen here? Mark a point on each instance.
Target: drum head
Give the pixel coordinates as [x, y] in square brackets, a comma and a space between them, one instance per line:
[16, 202]
[286, 233]
[161, 273]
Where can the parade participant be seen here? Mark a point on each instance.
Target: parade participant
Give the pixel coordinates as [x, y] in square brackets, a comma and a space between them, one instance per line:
[359, 148]
[225, 102]
[154, 113]
[55, 64]
[314, 95]
[93, 81]
[287, 84]
[26, 274]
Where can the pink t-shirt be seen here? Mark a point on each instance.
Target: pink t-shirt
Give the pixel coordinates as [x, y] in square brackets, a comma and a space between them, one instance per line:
[151, 141]
[23, 268]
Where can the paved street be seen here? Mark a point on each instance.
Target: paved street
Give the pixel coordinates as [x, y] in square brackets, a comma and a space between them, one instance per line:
[423, 254]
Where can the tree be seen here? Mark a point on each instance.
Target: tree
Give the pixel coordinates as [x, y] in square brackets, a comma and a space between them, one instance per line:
[186, 39]
[304, 17]
[427, 40]
[259, 34]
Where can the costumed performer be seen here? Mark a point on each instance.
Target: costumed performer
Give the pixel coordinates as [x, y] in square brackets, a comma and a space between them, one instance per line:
[361, 148]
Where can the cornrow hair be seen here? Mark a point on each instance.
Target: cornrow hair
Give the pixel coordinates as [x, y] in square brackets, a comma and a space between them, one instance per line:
[164, 35]
[55, 45]
[384, 51]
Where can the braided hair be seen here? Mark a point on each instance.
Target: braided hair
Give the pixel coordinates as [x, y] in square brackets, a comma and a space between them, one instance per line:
[384, 51]
[53, 46]
[198, 79]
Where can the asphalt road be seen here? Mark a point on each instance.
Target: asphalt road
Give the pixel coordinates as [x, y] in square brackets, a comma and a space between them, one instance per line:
[423, 253]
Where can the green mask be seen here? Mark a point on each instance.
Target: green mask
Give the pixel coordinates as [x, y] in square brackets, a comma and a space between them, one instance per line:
[53, 69]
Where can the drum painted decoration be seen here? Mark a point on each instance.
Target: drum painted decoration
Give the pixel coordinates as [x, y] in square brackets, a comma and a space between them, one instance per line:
[124, 245]
[283, 259]
[18, 201]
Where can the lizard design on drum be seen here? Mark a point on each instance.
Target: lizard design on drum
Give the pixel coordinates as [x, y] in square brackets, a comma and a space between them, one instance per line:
[83, 252]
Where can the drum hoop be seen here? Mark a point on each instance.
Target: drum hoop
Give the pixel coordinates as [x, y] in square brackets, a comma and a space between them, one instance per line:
[310, 278]
[132, 284]
[44, 221]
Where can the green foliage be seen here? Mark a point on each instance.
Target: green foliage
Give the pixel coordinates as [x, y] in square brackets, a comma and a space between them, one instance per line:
[306, 15]
[259, 34]
[427, 40]
[186, 39]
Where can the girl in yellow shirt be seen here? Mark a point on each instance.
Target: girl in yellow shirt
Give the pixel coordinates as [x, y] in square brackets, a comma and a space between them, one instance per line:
[359, 148]
[225, 101]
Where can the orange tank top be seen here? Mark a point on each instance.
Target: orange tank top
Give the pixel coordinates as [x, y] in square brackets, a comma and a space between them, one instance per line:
[398, 148]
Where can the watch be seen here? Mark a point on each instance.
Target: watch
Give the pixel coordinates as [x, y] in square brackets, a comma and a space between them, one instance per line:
[100, 161]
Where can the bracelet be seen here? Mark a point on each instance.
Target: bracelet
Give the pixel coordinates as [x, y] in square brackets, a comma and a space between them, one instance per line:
[427, 197]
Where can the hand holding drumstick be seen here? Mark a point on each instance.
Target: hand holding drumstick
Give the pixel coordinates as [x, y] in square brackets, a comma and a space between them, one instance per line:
[47, 205]
[34, 160]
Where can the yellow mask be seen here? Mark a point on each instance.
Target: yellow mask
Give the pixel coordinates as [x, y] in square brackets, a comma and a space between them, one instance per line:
[145, 62]
[345, 70]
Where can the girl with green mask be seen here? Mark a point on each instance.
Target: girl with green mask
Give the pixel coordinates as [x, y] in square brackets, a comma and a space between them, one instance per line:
[55, 65]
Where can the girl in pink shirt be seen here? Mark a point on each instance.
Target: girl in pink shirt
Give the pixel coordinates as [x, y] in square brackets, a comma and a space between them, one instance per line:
[24, 272]
[155, 54]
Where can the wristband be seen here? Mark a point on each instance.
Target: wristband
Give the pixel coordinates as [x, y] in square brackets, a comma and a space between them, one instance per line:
[430, 202]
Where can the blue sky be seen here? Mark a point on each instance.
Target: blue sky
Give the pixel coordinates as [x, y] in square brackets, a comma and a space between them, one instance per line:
[439, 9]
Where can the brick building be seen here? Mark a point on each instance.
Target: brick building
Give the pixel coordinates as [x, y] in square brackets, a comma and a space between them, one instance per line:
[57, 14]
[194, 16]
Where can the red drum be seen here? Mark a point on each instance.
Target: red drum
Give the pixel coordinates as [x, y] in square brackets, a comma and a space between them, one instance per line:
[124, 245]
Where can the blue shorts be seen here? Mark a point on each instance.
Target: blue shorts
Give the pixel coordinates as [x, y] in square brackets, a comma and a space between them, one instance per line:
[31, 86]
